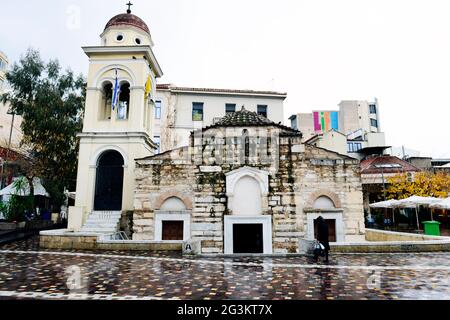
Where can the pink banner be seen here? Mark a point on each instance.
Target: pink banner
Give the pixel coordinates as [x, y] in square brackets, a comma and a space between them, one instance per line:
[317, 126]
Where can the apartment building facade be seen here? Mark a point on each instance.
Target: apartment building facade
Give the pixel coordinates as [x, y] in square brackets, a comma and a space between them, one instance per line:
[3, 67]
[181, 110]
[10, 132]
[358, 121]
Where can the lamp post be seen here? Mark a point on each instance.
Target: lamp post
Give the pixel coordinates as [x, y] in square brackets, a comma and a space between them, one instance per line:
[2, 162]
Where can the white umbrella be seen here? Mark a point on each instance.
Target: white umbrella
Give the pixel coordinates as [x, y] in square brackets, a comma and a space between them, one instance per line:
[39, 190]
[385, 204]
[414, 202]
[442, 204]
[388, 204]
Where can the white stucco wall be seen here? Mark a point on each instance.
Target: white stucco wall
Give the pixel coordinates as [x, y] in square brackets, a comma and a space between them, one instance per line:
[173, 204]
[176, 120]
[247, 197]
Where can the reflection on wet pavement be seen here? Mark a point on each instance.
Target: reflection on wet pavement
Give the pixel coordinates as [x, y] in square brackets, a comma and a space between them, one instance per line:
[29, 272]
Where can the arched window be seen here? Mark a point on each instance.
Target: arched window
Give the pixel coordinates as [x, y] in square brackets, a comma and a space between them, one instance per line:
[173, 204]
[246, 141]
[247, 197]
[323, 202]
[123, 108]
[106, 102]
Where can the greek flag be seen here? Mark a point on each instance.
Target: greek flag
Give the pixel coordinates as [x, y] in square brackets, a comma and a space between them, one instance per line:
[115, 98]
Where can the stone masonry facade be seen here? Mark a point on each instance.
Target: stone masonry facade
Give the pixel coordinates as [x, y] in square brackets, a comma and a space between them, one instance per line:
[298, 174]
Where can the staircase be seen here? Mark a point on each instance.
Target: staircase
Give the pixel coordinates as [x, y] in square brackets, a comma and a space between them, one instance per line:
[102, 222]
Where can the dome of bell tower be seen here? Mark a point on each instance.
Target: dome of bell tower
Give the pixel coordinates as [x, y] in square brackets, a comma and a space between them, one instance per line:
[127, 19]
[126, 29]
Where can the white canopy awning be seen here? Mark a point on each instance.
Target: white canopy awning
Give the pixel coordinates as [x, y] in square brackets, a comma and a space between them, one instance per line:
[442, 204]
[384, 204]
[39, 189]
[415, 201]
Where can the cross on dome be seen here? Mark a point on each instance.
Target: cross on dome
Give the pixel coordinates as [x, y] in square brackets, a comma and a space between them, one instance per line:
[129, 4]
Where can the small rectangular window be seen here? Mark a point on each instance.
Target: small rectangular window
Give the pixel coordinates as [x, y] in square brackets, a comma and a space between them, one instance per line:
[197, 111]
[374, 123]
[373, 109]
[122, 110]
[262, 110]
[353, 147]
[350, 147]
[157, 141]
[158, 109]
[294, 123]
[230, 108]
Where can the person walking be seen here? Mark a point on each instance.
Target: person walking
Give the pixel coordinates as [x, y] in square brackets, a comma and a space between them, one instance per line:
[322, 237]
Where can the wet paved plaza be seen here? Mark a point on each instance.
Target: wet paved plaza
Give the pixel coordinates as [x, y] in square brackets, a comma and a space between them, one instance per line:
[27, 272]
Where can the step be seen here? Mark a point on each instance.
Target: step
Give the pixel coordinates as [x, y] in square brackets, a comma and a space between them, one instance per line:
[102, 221]
[95, 216]
[114, 213]
[99, 230]
[100, 226]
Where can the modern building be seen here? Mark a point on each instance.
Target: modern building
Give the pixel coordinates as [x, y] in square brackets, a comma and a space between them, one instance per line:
[10, 131]
[331, 140]
[359, 121]
[430, 164]
[352, 116]
[375, 173]
[241, 184]
[181, 110]
[356, 146]
[357, 115]
[404, 152]
[4, 63]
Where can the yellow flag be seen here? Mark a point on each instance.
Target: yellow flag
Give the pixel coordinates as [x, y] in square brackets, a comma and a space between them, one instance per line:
[148, 87]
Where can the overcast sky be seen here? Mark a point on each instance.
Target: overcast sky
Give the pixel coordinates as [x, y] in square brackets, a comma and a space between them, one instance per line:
[319, 52]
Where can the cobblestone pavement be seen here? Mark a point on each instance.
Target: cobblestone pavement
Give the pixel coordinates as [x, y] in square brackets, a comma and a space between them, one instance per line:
[27, 272]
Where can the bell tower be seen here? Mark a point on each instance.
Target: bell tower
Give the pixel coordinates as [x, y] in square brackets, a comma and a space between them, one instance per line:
[118, 118]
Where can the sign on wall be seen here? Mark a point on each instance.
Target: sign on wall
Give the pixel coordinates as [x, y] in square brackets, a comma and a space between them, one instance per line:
[325, 121]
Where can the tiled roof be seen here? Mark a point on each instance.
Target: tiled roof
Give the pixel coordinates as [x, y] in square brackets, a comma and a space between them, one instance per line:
[128, 19]
[218, 91]
[386, 164]
[246, 118]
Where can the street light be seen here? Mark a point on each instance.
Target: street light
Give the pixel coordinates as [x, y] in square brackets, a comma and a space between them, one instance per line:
[2, 162]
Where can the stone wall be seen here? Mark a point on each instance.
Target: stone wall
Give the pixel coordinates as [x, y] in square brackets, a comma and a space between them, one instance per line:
[299, 174]
[68, 242]
[80, 242]
[382, 235]
[156, 181]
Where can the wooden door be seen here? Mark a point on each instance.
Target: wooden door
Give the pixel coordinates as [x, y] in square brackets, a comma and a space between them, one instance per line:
[248, 238]
[331, 229]
[172, 230]
[109, 182]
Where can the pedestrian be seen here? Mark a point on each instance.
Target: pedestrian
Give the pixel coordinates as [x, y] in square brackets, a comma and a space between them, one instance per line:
[322, 237]
[370, 221]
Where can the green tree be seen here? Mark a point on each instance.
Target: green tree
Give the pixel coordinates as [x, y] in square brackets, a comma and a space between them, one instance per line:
[51, 103]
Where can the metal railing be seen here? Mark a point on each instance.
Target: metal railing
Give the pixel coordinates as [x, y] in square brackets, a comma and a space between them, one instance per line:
[119, 235]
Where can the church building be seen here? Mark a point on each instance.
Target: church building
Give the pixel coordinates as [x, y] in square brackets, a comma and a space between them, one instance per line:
[242, 184]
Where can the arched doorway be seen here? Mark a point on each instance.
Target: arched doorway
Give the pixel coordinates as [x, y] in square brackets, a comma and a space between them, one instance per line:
[247, 230]
[109, 182]
[172, 221]
[247, 237]
[325, 203]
